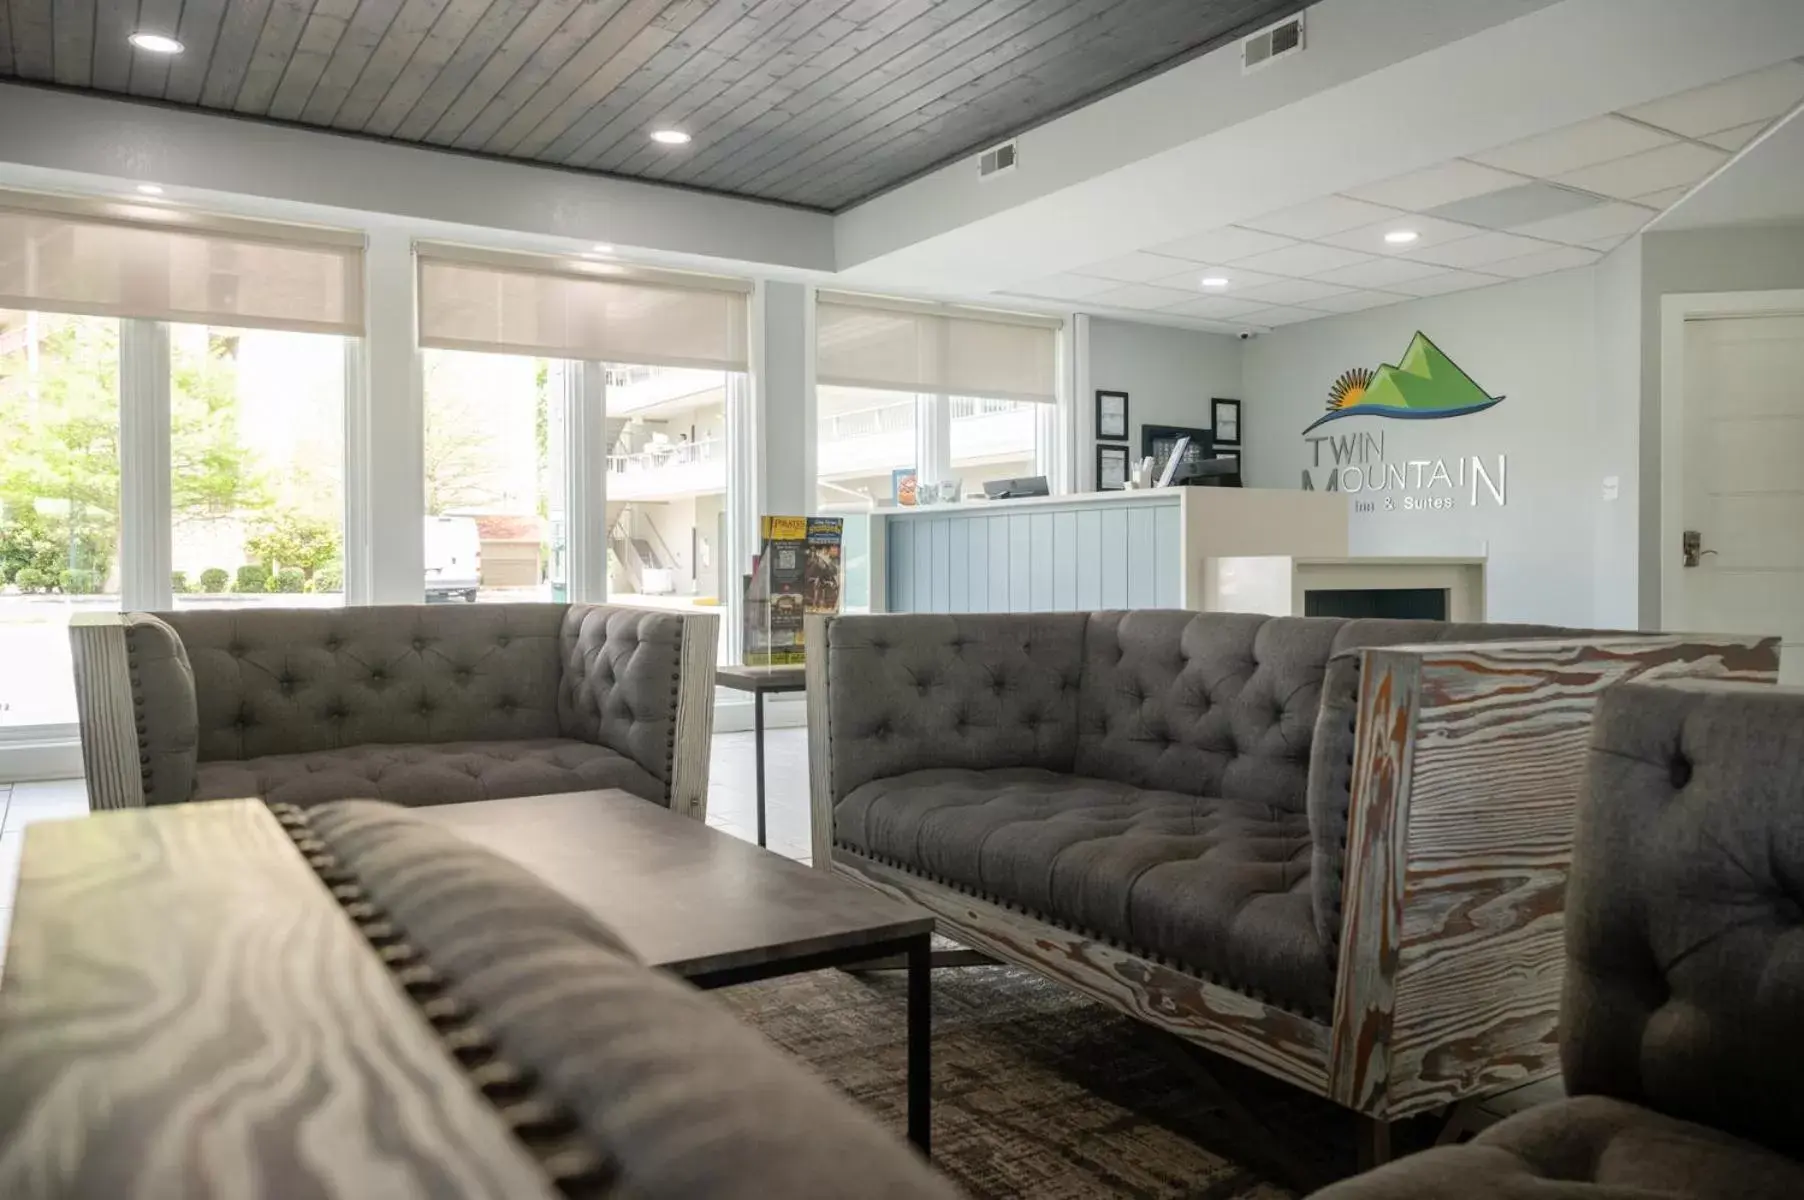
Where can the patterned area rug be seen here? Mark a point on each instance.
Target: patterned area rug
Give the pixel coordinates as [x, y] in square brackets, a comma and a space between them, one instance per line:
[1041, 1093]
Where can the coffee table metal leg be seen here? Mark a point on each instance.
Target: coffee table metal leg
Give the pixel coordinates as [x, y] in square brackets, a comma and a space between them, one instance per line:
[920, 1043]
[758, 743]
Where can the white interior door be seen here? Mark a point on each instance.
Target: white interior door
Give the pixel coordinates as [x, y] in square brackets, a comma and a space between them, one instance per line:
[1742, 491]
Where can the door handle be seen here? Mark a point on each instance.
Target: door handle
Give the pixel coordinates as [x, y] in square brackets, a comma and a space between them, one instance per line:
[1692, 545]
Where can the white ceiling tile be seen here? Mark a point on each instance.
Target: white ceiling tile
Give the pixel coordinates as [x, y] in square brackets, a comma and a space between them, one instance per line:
[1665, 198]
[1755, 96]
[1380, 272]
[1293, 291]
[1223, 245]
[1736, 138]
[1330, 214]
[1605, 220]
[1597, 140]
[1430, 231]
[1215, 308]
[1485, 248]
[1446, 281]
[1280, 315]
[1063, 287]
[1305, 258]
[1639, 174]
[1238, 278]
[1605, 245]
[1137, 267]
[1356, 301]
[1560, 258]
[1420, 190]
[1140, 295]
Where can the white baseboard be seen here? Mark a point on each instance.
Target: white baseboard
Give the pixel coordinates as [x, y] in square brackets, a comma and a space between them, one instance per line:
[51, 758]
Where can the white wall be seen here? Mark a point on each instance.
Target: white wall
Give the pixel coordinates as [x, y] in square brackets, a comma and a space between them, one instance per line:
[1533, 342]
[1170, 375]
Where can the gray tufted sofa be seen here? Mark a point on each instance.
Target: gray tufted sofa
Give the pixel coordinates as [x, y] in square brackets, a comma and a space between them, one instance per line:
[1684, 970]
[417, 704]
[1332, 849]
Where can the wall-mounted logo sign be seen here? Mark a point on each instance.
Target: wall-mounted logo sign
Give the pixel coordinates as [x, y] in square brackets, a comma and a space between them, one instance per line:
[1425, 385]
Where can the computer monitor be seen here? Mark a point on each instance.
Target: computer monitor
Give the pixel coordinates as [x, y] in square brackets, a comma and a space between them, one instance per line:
[1008, 489]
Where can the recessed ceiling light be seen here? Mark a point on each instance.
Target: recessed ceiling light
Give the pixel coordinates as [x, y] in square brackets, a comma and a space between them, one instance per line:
[155, 43]
[1401, 237]
[1214, 281]
[670, 137]
[150, 189]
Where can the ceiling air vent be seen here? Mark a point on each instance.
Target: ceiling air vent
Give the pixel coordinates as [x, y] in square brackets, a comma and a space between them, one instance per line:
[1268, 45]
[996, 160]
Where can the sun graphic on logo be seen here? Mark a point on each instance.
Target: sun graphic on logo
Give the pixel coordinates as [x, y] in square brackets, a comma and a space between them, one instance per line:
[1349, 389]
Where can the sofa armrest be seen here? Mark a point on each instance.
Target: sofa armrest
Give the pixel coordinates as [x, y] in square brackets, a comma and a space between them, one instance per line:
[640, 681]
[1467, 764]
[134, 695]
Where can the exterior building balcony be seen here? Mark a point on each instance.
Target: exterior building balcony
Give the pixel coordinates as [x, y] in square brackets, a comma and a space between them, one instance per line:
[664, 470]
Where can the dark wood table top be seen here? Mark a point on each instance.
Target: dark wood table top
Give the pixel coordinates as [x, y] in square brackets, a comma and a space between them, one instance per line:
[684, 897]
[763, 679]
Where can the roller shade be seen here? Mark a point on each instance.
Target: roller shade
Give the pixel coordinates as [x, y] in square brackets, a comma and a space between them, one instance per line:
[602, 312]
[872, 342]
[117, 259]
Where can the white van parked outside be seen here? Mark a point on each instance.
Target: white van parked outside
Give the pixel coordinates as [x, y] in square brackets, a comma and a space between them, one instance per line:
[453, 559]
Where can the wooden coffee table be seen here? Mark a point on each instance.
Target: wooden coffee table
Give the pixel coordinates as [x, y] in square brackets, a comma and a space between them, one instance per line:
[705, 905]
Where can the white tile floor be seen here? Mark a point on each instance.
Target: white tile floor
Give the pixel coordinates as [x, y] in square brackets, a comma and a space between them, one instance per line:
[732, 802]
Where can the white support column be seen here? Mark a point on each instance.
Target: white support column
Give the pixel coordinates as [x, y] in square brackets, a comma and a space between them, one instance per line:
[1081, 422]
[933, 440]
[385, 556]
[146, 551]
[783, 398]
[585, 456]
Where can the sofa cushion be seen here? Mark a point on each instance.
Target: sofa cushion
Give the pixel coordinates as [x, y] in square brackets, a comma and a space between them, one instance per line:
[439, 773]
[1210, 704]
[618, 686]
[1219, 887]
[663, 1083]
[1586, 1148]
[922, 690]
[296, 680]
[1685, 916]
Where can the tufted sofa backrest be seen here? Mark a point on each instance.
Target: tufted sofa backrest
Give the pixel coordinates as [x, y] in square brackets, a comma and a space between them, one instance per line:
[1685, 911]
[1210, 704]
[297, 680]
[619, 672]
[912, 691]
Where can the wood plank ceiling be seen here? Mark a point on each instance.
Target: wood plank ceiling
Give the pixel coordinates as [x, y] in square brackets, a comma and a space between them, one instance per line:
[820, 103]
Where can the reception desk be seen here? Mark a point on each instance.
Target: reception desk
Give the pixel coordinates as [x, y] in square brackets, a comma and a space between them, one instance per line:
[1130, 549]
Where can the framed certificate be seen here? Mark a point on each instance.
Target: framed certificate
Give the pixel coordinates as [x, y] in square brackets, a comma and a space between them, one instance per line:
[1224, 416]
[1111, 468]
[1112, 416]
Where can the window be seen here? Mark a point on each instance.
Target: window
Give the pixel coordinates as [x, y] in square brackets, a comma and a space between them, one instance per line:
[667, 486]
[494, 491]
[59, 501]
[864, 436]
[954, 395]
[256, 450]
[651, 362]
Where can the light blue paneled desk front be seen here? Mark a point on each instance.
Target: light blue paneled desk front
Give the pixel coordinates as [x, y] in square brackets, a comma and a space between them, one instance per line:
[1144, 549]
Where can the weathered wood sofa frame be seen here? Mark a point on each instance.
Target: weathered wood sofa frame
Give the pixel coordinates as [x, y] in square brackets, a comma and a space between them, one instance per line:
[1459, 767]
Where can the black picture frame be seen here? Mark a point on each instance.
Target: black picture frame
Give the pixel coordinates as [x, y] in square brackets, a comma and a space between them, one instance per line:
[1224, 421]
[1156, 442]
[1115, 457]
[1108, 429]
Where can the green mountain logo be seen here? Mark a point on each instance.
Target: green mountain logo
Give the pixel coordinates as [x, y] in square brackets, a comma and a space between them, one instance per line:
[1426, 385]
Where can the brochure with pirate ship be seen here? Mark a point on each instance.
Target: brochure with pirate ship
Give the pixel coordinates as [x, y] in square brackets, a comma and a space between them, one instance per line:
[797, 571]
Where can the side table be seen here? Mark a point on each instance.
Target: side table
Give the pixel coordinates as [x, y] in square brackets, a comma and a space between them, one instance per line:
[761, 681]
